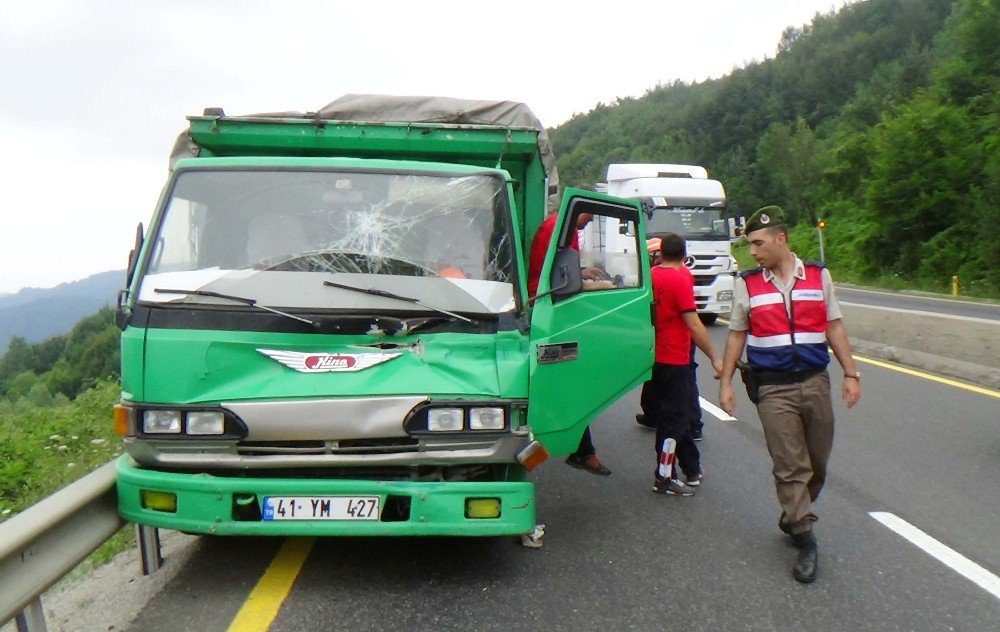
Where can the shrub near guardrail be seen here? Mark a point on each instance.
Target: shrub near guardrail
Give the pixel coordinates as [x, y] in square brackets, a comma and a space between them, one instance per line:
[45, 448]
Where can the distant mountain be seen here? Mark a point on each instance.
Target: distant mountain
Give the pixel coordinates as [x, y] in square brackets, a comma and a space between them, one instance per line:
[37, 314]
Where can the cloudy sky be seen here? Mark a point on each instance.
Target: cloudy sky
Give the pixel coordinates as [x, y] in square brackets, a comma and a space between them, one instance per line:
[95, 91]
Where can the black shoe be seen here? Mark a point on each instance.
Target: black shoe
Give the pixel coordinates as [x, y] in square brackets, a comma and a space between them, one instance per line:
[590, 463]
[641, 420]
[696, 434]
[808, 561]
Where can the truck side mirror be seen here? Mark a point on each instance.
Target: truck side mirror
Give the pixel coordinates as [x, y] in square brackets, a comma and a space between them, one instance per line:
[566, 279]
[123, 314]
[133, 256]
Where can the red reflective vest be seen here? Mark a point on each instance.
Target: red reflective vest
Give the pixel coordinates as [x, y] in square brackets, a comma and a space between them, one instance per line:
[777, 342]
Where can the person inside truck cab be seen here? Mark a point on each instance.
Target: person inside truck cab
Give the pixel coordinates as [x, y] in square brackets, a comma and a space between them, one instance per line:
[540, 243]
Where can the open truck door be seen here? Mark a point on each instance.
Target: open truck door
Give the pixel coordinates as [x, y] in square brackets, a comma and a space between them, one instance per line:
[591, 338]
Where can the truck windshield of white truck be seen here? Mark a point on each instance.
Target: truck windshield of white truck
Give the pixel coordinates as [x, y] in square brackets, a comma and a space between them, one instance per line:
[277, 234]
[690, 223]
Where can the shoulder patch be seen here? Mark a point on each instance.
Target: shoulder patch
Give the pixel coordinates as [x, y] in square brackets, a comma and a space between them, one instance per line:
[815, 264]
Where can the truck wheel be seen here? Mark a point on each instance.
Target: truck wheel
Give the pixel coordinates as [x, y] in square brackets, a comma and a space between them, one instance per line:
[708, 319]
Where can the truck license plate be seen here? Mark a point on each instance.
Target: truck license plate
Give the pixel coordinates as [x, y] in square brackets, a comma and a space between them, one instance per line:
[321, 508]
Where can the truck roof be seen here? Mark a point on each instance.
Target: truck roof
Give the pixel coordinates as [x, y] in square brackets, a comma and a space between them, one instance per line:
[360, 125]
[674, 191]
[654, 170]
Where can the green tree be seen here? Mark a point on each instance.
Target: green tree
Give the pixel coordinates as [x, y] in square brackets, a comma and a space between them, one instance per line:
[923, 164]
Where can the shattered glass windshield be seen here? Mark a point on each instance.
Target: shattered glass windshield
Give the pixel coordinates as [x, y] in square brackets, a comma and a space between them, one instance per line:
[223, 226]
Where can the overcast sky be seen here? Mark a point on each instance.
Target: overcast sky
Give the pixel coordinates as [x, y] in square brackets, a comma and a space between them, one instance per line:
[94, 92]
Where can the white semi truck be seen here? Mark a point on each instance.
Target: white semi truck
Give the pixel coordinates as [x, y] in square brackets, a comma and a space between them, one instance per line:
[677, 199]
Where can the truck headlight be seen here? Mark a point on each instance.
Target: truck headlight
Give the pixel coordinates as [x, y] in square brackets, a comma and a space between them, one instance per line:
[445, 419]
[206, 423]
[486, 419]
[161, 421]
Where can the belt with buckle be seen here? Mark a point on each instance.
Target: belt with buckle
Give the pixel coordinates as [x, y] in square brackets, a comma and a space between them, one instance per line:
[786, 377]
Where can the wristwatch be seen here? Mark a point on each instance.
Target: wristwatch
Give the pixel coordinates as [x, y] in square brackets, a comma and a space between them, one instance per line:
[856, 375]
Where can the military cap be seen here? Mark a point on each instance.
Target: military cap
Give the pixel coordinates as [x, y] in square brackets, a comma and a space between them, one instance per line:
[765, 218]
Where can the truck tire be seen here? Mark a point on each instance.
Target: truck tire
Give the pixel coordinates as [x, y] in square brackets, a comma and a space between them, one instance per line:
[708, 319]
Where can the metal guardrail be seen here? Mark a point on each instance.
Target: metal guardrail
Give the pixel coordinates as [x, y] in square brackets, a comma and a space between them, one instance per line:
[46, 541]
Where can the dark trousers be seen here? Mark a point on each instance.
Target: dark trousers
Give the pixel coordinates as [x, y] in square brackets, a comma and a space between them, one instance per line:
[666, 401]
[586, 447]
[696, 422]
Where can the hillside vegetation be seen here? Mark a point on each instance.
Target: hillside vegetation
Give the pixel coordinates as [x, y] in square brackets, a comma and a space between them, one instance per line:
[883, 119]
[55, 410]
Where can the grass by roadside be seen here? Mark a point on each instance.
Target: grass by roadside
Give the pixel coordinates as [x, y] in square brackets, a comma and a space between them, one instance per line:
[46, 448]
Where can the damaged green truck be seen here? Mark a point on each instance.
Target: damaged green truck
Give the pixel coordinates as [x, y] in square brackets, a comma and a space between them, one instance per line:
[326, 328]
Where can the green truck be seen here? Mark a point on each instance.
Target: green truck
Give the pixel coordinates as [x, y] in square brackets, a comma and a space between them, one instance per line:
[326, 328]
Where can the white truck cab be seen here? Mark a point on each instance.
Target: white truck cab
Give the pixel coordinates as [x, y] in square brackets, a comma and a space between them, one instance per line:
[680, 199]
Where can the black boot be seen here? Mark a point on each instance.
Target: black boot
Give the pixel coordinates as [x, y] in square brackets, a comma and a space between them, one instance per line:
[805, 566]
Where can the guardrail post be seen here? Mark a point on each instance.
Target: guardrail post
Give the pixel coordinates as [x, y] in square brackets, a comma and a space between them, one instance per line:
[148, 539]
[32, 618]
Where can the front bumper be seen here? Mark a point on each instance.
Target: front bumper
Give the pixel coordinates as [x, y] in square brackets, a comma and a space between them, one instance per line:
[206, 504]
[707, 297]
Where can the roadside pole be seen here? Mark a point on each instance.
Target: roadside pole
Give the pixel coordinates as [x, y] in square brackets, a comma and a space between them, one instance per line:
[819, 232]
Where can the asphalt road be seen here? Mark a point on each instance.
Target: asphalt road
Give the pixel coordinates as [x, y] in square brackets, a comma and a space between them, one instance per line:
[616, 556]
[915, 302]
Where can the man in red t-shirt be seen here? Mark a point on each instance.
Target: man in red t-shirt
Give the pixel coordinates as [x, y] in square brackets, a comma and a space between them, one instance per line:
[667, 395]
[540, 244]
[585, 457]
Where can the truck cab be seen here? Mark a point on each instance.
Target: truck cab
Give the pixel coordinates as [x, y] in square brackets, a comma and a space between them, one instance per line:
[327, 329]
[682, 199]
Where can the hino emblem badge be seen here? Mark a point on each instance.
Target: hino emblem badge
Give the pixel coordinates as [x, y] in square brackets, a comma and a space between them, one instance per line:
[319, 362]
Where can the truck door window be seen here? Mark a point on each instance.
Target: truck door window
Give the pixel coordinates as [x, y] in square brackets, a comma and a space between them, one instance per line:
[609, 253]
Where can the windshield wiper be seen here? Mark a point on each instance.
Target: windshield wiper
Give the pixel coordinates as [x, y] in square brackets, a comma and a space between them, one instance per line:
[398, 297]
[240, 299]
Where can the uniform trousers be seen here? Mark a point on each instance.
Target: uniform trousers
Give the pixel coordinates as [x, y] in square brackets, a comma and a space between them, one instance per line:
[798, 428]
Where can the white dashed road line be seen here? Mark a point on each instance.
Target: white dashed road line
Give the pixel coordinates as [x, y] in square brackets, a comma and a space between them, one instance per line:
[714, 410]
[952, 559]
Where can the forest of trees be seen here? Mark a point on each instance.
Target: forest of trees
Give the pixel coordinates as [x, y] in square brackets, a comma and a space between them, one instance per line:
[883, 119]
[55, 371]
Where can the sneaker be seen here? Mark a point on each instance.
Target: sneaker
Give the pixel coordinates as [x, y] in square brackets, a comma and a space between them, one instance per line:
[694, 481]
[697, 434]
[672, 487]
[590, 463]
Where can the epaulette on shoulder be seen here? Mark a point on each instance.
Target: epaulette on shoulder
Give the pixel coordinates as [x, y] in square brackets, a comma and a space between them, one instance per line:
[815, 264]
[747, 273]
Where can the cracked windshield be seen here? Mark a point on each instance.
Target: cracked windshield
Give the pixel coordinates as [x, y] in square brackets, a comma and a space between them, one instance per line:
[264, 232]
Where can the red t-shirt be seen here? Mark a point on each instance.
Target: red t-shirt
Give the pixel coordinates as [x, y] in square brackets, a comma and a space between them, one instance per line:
[536, 256]
[673, 295]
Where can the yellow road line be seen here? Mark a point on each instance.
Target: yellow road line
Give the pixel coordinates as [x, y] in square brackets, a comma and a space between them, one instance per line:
[927, 376]
[264, 601]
